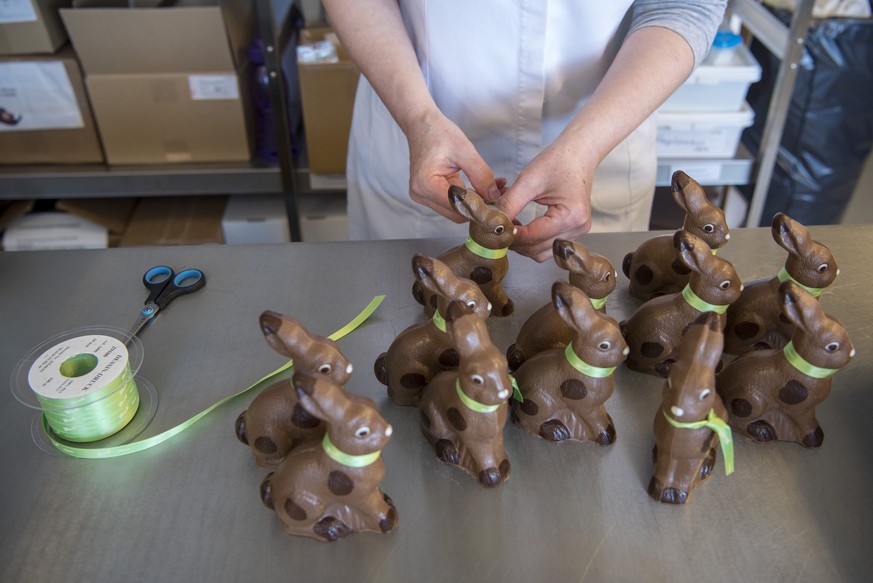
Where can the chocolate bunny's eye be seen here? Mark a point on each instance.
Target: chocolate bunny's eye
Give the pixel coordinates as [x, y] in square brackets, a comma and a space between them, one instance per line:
[822, 268]
[725, 284]
[605, 345]
[499, 230]
[704, 394]
[325, 368]
[362, 431]
[477, 379]
[709, 228]
[471, 304]
[832, 347]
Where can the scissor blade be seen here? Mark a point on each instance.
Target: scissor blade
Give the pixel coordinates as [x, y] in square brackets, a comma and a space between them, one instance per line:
[145, 316]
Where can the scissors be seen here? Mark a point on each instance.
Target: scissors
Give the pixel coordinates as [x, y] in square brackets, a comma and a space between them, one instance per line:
[164, 286]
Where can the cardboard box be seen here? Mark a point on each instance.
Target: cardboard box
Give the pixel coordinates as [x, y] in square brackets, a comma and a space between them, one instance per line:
[323, 218]
[31, 26]
[175, 220]
[53, 230]
[56, 123]
[327, 94]
[168, 84]
[251, 220]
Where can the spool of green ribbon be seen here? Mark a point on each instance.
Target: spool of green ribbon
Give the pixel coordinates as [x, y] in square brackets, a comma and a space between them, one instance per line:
[98, 413]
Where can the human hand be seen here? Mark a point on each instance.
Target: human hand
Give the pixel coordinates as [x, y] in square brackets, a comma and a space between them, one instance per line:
[438, 153]
[559, 178]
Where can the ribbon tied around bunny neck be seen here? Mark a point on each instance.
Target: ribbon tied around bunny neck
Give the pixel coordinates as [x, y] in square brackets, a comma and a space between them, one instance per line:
[484, 252]
[700, 304]
[783, 276]
[347, 459]
[439, 321]
[716, 424]
[801, 364]
[472, 403]
[598, 303]
[595, 372]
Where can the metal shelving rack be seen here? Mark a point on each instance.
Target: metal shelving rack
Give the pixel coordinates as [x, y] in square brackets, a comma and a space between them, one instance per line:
[787, 44]
[96, 181]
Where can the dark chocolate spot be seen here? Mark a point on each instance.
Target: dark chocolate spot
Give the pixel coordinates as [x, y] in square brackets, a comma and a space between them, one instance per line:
[412, 381]
[554, 430]
[606, 436]
[708, 464]
[651, 349]
[449, 358]
[388, 523]
[267, 491]
[530, 407]
[574, 389]
[679, 268]
[456, 419]
[814, 439]
[662, 369]
[300, 417]
[239, 428]
[490, 477]
[294, 511]
[761, 431]
[644, 275]
[265, 445]
[793, 393]
[673, 496]
[481, 275]
[505, 468]
[746, 330]
[339, 483]
[331, 529]
[741, 407]
[380, 369]
[446, 451]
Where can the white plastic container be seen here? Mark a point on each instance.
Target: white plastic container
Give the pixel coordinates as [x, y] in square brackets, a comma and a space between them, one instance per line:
[719, 83]
[255, 219]
[701, 134]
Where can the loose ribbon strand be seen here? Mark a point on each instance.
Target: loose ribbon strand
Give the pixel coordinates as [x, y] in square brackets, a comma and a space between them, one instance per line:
[137, 446]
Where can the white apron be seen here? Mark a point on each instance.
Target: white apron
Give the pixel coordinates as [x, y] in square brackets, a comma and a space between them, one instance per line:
[511, 87]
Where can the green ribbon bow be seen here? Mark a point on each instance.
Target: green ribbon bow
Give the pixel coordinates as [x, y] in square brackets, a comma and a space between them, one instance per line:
[439, 321]
[722, 429]
[599, 302]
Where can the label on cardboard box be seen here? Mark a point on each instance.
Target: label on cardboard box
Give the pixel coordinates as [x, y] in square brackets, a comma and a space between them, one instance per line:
[211, 87]
[37, 95]
[12, 11]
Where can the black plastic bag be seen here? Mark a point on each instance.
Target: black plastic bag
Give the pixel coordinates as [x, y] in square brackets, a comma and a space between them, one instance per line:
[829, 129]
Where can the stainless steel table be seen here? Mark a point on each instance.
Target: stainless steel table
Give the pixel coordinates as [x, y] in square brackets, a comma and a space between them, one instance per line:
[189, 509]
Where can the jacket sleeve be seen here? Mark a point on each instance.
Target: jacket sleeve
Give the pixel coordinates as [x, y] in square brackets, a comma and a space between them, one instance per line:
[694, 20]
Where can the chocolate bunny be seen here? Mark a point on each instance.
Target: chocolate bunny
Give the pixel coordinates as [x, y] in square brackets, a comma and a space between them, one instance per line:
[654, 269]
[772, 394]
[329, 488]
[275, 422]
[565, 389]
[691, 420]
[463, 412]
[422, 350]
[655, 329]
[545, 329]
[755, 320]
[482, 258]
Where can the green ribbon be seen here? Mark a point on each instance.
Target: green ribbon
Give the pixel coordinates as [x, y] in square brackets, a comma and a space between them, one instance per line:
[722, 429]
[783, 275]
[700, 304]
[439, 321]
[471, 403]
[347, 459]
[595, 372]
[803, 365]
[484, 252]
[598, 303]
[137, 446]
[516, 392]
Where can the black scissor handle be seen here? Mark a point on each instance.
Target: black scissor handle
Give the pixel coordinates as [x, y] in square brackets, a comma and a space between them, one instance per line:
[185, 282]
[155, 280]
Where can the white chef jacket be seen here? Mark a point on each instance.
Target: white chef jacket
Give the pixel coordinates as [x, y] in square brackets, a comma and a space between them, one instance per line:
[511, 75]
